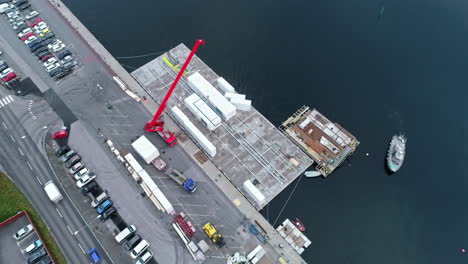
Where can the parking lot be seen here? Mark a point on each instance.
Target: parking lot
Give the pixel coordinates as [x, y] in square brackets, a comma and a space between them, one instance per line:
[16, 248]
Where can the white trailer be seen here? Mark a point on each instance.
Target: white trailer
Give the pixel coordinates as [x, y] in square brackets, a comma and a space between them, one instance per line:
[53, 192]
[206, 91]
[132, 161]
[198, 136]
[224, 85]
[243, 105]
[254, 192]
[203, 112]
[149, 153]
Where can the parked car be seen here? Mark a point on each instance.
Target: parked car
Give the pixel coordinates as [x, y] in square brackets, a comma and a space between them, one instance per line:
[33, 247]
[104, 205]
[62, 150]
[23, 232]
[21, 28]
[9, 77]
[67, 66]
[145, 257]
[78, 166]
[5, 72]
[35, 22]
[98, 199]
[75, 159]
[18, 25]
[94, 256]
[60, 134]
[30, 39]
[108, 213]
[20, 2]
[63, 54]
[68, 155]
[45, 260]
[32, 14]
[24, 32]
[58, 47]
[88, 187]
[34, 43]
[56, 71]
[40, 26]
[85, 180]
[81, 173]
[44, 32]
[3, 66]
[52, 67]
[48, 38]
[12, 14]
[132, 242]
[23, 7]
[45, 56]
[37, 47]
[26, 36]
[59, 75]
[50, 61]
[37, 255]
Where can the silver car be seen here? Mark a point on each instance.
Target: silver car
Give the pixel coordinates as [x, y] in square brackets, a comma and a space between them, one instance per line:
[23, 232]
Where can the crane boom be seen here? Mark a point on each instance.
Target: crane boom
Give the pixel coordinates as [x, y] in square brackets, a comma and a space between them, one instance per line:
[157, 125]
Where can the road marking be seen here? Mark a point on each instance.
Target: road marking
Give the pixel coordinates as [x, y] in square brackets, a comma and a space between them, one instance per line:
[23, 137]
[81, 248]
[118, 125]
[11, 98]
[29, 165]
[39, 181]
[4, 124]
[69, 229]
[21, 152]
[8, 100]
[12, 138]
[1, 103]
[58, 212]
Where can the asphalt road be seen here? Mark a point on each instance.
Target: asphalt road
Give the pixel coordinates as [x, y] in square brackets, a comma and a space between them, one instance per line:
[24, 163]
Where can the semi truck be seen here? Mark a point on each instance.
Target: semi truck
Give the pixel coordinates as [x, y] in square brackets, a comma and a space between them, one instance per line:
[53, 192]
[190, 185]
[149, 153]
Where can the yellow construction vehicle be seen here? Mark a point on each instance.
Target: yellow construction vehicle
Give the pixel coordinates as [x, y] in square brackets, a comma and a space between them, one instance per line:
[213, 234]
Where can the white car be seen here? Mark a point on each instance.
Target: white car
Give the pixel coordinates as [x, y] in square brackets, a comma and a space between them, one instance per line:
[52, 67]
[58, 47]
[41, 26]
[5, 72]
[30, 39]
[76, 167]
[12, 14]
[85, 180]
[23, 232]
[32, 14]
[66, 59]
[56, 42]
[50, 61]
[81, 173]
[24, 32]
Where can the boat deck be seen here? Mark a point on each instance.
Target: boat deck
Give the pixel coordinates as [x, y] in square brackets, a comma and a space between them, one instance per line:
[248, 146]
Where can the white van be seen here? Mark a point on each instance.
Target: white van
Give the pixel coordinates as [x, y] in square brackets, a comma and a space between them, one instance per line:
[53, 192]
[120, 237]
[142, 246]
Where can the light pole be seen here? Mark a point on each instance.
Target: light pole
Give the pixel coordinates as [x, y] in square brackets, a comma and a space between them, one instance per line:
[76, 232]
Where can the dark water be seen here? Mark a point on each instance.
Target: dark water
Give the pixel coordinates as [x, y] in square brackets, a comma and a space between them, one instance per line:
[406, 72]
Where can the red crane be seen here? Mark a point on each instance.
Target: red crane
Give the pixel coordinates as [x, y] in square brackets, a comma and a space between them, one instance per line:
[157, 125]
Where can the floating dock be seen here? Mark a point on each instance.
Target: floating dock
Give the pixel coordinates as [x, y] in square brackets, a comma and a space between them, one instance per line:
[258, 159]
[327, 143]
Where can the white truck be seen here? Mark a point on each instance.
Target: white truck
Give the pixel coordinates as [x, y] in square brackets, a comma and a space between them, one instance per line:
[149, 153]
[53, 192]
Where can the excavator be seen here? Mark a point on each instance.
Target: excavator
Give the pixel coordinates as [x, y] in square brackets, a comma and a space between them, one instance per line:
[214, 235]
[157, 124]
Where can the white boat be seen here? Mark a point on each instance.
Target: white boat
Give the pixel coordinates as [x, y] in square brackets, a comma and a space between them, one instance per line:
[311, 174]
[396, 152]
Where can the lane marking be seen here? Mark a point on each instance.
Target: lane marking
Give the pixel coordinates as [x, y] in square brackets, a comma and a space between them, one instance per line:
[29, 165]
[21, 152]
[12, 138]
[23, 137]
[81, 248]
[69, 229]
[1, 103]
[11, 97]
[8, 100]
[39, 180]
[4, 124]
[58, 212]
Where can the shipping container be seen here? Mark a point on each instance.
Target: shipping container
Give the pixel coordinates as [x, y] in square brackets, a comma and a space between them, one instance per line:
[224, 85]
[254, 192]
[198, 136]
[234, 95]
[205, 90]
[203, 112]
[132, 161]
[243, 105]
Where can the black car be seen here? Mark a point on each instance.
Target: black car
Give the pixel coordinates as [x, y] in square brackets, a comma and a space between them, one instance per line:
[43, 54]
[37, 255]
[34, 43]
[56, 72]
[64, 54]
[36, 47]
[72, 161]
[3, 66]
[45, 260]
[88, 187]
[21, 2]
[21, 28]
[132, 242]
[24, 7]
[48, 36]
[60, 75]
[62, 150]
[39, 50]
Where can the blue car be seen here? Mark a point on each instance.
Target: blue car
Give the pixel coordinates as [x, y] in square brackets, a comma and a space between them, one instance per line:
[94, 256]
[103, 206]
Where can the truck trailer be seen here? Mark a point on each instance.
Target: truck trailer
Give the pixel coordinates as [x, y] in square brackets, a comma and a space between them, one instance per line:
[189, 184]
[149, 153]
[53, 192]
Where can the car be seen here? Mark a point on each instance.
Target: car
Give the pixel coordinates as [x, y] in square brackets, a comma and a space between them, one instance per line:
[39, 49]
[13, 14]
[81, 173]
[88, 187]
[48, 40]
[9, 77]
[15, 19]
[55, 42]
[145, 257]
[84, 180]
[104, 205]
[63, 54]
[32, 14]
[26, 36]
[98, 199]
[62, 150]
[66, 59]
[75, 159]
[107, 214]
[50, 61]
[94, 256]
[23, 7]
[18, 25]
[48, 36]
[60, 134]
[23, 232]
[37, 255]
[24, 32]
[40, 26]
[44, 32]
[3, 66]
[34, 43]
[45, 260]
[35, 22]
[33, 247]
[52, 67]
[56, 71]
[60, 75]
[69, 65]
[78, 166]
[68, 155]
[58, 47]
[20, 2]
[5, 72]
[30, 39]
[21, 28]
[132, 242]
[46, 57]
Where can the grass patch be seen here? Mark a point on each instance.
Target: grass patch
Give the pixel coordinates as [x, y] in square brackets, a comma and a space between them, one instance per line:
[13, 201]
